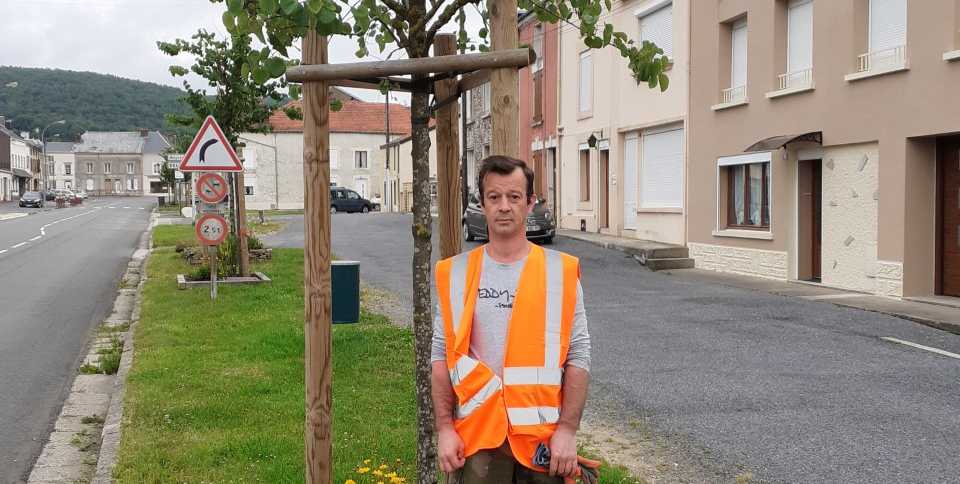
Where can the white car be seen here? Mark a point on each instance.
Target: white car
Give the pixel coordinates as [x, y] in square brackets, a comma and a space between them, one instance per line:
[82, 194]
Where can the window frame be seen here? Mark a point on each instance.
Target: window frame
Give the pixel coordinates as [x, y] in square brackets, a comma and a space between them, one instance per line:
[68, 168]
[366, 159]
[765, 180]
[107, 169]
[583, 191]
[585, 113]
[651, 11]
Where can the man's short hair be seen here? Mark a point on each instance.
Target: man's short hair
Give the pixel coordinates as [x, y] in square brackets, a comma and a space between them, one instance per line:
[504, 165]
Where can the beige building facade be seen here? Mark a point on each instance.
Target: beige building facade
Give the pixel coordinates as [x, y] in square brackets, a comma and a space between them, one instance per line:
[823, 142]
[623, 146]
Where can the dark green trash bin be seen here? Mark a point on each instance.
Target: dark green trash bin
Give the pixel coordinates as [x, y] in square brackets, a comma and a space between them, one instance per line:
[345, 282]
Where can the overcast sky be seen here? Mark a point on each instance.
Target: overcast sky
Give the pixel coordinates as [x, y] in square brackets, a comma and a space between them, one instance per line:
[119, 36]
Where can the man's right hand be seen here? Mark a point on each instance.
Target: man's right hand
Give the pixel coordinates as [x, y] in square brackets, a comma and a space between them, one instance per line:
[450, 450]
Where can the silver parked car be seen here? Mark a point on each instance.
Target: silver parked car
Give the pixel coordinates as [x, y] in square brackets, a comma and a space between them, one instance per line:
[541, 226]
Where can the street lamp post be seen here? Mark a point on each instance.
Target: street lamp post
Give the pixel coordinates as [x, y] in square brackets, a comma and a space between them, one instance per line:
[43, 164]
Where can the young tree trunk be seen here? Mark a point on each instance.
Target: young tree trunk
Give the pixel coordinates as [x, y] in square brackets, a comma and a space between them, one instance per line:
[422, 324]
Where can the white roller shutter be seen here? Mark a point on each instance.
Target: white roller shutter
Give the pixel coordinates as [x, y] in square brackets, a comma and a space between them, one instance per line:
[738, 54]
[888, 24]
[657, 27]
[334, 158]
[661, 177]
[800, 35]
[630, 182]
[586, 82]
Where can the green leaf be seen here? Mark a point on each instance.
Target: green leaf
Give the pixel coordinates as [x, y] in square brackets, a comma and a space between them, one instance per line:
[289, 7]
[607, 33]
[245, 71]
[483, 32]
[260, 75]
[314, 6]
[294, 91]
[268, 7]
[664, 82]
[178, 71]
[275, 66]
[336, 105]
[652, 82]
[235, 6]
[594, 42]
[229, 21]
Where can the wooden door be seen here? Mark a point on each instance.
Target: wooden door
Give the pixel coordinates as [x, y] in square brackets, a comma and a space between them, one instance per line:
[816, 227]
[949, 169]
[604, 188]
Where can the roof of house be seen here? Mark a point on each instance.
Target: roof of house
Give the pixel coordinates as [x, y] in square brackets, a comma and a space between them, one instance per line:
[354, 117]
[155, 143]
[121, 142]
[111, 142]
[60, 146]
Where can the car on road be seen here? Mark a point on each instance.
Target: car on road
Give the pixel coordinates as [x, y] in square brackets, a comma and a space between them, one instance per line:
[346, 200]
[50, 195]
[32, 199]
[82, 194]
[541, 225]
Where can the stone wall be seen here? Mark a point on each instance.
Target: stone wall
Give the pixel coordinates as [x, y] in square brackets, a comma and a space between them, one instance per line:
[889, 279]
[739, 260]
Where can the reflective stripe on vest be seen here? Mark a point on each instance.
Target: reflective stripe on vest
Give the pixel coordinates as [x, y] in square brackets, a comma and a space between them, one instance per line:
[488, 391]
[532, 375]
[461, 369]
[533, 415]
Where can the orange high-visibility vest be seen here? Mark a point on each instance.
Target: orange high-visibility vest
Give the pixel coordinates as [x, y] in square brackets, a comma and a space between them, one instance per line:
[524, 406]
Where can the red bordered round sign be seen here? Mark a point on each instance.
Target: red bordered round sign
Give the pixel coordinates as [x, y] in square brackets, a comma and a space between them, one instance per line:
[211, 187]
[211, 229]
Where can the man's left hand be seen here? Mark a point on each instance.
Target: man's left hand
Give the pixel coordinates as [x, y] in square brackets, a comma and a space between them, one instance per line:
[563, 452]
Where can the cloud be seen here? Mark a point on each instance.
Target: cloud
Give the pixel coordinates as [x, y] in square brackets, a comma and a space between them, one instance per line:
[119, 36]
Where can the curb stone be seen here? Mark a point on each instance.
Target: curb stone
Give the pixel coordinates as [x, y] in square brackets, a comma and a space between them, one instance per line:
[83, 445]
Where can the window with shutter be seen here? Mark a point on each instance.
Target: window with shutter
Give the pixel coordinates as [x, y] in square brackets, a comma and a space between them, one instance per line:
[738, 55]
[585, 103]
[584, 174]
[334, 158]
[888, 24]
[661, 176]
[799, 35]
[657, 27]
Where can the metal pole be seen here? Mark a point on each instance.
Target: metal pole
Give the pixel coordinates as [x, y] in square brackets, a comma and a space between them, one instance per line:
[386, 167]
[213, 272]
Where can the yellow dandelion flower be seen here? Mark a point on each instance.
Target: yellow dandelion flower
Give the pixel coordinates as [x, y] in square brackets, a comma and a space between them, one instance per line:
[392, 475]
[366, 461]
[384, 466]
[377, 472]
[363, 470]
[349, 481]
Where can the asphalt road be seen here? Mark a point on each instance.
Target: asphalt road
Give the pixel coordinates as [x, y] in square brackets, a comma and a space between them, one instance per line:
[59, 272]
[792, 390]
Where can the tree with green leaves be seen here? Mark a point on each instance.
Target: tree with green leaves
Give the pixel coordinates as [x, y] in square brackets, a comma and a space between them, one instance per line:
[411, 26]
[240, 96]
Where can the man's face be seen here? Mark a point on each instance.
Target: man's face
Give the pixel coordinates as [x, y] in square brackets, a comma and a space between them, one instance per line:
[505, 203]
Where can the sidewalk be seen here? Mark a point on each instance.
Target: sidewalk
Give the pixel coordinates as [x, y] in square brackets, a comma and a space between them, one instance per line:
[938, 312]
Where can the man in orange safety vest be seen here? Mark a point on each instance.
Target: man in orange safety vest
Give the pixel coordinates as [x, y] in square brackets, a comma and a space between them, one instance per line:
[511, 351]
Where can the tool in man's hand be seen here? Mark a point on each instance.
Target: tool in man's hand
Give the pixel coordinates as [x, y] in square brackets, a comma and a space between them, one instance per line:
[586, 470]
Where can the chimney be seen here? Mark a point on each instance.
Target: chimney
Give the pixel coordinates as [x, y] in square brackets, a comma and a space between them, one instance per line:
[144, 132]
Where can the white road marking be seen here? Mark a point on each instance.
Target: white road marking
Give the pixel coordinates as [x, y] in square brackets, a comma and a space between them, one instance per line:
[21, 244]
[127, 207]
[2, 251]
[36, 238]
[922, 347]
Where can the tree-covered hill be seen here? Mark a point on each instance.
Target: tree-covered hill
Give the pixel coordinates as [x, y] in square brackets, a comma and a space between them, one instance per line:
[33, 98]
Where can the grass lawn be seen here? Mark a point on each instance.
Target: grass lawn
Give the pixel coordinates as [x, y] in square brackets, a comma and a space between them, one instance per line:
[171, 235]
[216, 393]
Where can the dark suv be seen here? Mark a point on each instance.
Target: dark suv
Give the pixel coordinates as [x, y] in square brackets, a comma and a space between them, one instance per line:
[346, 200]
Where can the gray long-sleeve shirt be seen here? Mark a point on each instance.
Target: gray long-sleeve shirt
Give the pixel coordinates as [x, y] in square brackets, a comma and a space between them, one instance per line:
[491, 318]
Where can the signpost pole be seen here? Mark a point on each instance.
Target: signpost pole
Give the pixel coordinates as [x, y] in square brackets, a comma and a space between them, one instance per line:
[242, 226]
[213, 272]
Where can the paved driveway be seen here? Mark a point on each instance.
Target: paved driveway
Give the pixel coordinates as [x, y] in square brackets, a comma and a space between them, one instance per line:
[794, 390]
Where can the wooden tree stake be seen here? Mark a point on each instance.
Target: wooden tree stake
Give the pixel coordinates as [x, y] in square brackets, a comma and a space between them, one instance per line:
[448, 155]
[242, 226]
[504, 82]
[316, 268]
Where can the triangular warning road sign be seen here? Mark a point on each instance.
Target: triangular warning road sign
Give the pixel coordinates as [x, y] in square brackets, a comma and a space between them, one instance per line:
[210, 151]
